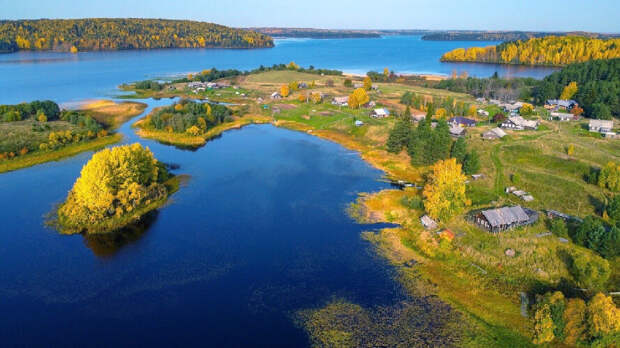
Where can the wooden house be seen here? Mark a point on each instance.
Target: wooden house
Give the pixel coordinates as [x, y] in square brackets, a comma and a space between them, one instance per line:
[505, 218]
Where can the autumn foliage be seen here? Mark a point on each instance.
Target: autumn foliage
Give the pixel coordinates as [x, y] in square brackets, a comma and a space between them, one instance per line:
[550, 50]
[95, 34]
[445, 191]
[114, 184]
[358, 98]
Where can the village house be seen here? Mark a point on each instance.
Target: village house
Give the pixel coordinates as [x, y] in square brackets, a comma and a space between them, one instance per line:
[505, 218]
[519, 123]
[560, 104]
[495, 133]
[428, 222]
[379, 113]
[417, 115]
[462, 121]
[562, 116]
[601, 126]
[341, 101]
[482, 112]
[512, 108]
[456, 130]
[276, 95]
[196, 84]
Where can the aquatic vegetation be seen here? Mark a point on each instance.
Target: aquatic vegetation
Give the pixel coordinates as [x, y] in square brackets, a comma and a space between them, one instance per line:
[413, 323]
[117, 186]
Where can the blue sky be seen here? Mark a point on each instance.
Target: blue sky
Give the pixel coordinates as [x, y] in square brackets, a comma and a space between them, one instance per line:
[562, 15]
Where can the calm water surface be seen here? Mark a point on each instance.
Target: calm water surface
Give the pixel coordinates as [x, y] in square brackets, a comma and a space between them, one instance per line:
[258, 232]
[65, 77]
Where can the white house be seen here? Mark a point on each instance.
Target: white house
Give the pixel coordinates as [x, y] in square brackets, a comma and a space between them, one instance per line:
[380, 113]
[276, 95]
[562, 116]
[341, 101]
[519, 123]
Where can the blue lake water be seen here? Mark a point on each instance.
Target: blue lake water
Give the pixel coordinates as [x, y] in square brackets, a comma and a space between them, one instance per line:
[257, 233]
[66, 77]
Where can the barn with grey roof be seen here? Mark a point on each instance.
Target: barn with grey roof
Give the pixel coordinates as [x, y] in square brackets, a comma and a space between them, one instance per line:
[505, 218]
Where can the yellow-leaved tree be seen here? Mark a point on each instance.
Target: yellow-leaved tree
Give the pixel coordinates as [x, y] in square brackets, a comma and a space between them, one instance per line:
[445, 191]
[569, 91]
[543, 325]
[574, 316]
[358, 98]
[367, 83]
[284, 91]
[114, 183]
[603, 316]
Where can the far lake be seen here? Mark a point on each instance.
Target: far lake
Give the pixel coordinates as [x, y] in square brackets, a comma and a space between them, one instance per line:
[258, 233]
[66, 77]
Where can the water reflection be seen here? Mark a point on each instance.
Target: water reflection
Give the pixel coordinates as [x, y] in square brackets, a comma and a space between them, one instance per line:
[106, 245]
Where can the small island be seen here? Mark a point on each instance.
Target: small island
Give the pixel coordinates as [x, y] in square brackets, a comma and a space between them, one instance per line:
[115, 189]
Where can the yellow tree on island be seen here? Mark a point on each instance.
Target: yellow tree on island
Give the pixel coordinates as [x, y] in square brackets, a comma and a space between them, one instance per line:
[284, 91]
[569, 91]
[358, 98]
[444, 193]
[367, 83]
[113, 184]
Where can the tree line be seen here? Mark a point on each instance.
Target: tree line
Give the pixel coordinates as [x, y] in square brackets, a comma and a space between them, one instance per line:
[99, 34]
[550, 50]
[595, 85]
[426, 144]
[188, 117]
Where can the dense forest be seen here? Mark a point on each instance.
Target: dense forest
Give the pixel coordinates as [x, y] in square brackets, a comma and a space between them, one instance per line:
[188, 117]
[598, 87]
[117, 34]
[551, 50]
[461, 35]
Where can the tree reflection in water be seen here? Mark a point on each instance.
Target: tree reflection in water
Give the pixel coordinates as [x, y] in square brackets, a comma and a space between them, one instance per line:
[105, 245]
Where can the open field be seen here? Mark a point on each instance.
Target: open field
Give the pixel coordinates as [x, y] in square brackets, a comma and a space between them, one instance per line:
[113, 114]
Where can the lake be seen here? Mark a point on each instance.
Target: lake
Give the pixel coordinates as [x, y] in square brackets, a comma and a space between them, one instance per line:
[258, 233]
[66, 77]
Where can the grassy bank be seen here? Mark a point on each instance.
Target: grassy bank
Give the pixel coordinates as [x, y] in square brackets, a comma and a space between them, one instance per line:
[39, 157]
[112, 114]
[186, 140]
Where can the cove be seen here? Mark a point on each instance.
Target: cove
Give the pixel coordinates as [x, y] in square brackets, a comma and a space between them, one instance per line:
[259, 232]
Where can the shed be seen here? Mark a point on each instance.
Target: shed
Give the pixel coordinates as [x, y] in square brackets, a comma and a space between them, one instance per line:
[380, 113]
[495, 133]
[358, 123]
[505, 218]
[428, 222]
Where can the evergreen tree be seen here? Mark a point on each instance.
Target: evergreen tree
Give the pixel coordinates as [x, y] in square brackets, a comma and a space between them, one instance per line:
[610, 246]
[471, 164]
[399, 136]
[459, 150]
[439, 147]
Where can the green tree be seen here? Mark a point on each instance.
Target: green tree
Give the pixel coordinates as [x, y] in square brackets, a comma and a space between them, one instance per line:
[399, 136]
[459, 150]
[601, 111]
[589, 271]
[471, 164]
[558, 227]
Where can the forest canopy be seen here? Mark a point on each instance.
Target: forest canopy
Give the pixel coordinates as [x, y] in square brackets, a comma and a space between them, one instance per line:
[551, 50]
[98, 34]
[115, 187]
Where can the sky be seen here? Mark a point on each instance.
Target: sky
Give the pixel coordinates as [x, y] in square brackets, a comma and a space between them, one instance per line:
[536, 15]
